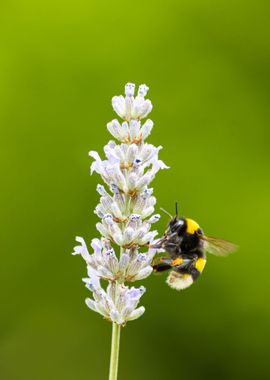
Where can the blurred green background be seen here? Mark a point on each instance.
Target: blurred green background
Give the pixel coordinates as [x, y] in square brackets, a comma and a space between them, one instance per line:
[207, 66]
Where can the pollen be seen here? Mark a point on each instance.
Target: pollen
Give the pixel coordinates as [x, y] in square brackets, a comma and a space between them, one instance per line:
[177, 262]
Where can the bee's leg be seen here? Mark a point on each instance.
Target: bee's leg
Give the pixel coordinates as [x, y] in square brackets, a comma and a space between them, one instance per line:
[168, 263]
[172, 248]
[178, 262]
[164, 240]
[187, 265]
[161, 267]
[159, 243]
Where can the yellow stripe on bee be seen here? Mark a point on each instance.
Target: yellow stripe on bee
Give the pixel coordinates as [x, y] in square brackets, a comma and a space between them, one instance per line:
[200, 264]
[177, 262]
[185, 277]
[192, 226]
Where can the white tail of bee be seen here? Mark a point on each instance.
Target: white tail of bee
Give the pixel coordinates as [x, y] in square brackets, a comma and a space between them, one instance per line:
[179, 281]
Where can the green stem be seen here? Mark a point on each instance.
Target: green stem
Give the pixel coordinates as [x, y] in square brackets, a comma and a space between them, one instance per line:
[114, 351]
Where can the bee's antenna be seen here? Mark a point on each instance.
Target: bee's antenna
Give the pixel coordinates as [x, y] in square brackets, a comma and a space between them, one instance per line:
[166, 212]
[176, 209]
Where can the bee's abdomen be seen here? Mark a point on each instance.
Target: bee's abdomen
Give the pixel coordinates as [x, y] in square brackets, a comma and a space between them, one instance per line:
[200, 264]
[182, 278]
[197, 268]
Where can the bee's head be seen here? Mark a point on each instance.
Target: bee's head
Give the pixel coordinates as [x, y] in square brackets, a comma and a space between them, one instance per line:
[178, 225]
[193, 227]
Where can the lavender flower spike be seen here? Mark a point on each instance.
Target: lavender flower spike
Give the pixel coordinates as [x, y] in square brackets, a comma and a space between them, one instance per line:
[124, 210]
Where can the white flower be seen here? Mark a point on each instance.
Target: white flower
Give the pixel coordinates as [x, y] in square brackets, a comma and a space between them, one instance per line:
[118, 304]
[132, 108]
[105, 264]
[136, 159]
[125, 208]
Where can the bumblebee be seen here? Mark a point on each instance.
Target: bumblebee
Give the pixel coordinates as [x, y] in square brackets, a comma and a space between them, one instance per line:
[186, 246]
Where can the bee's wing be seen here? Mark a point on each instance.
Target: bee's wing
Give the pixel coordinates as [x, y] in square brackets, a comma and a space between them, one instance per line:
[218, 247]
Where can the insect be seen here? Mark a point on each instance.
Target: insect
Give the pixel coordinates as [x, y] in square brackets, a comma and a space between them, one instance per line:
[186, 246]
